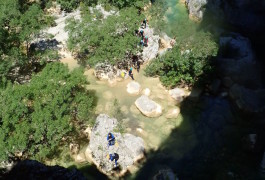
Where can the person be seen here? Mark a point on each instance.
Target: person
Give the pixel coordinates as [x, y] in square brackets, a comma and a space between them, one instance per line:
[130, 73]
[110, 139]
[138, 66]
[146, 41]
[114, 157]
[142, 43]
[145, 22]
[142, 33]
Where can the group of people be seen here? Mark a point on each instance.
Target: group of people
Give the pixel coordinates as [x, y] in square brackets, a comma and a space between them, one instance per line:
[111, 142]
[144, 38]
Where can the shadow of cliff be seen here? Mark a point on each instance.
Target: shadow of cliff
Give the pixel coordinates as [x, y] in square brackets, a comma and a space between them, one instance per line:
[211, 141]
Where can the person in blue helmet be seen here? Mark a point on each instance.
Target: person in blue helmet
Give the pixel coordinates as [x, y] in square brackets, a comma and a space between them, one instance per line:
[130, 73]
[114, 157]
[142, 43]
[110, 139]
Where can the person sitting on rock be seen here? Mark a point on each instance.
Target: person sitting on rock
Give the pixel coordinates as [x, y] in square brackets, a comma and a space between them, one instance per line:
[146, 41]
[110, 139]
[114, 157]
[130, 73]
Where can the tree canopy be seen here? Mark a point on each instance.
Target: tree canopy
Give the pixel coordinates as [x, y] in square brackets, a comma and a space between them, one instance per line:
[98, 40]
[36, 116]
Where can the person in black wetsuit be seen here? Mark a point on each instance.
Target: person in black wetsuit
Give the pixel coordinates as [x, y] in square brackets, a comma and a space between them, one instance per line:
[114, 157]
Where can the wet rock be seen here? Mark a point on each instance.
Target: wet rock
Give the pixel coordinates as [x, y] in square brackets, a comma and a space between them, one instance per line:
[165, 174]
[133, 87]
[173, 113]
[148, 107]
[30, 169]
[249, 142]
[146, 92]
[129, 147]
[178, 94]
[248, 100]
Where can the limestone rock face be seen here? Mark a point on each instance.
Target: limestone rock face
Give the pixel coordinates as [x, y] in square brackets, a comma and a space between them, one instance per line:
[196, 8]
[105, 71]
[133, 87]
[151, 51]
[148, 107]
[129, 147]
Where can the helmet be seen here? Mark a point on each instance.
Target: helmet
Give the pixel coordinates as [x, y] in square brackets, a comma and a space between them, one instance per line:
[141, 31]
[146, 37]
[131, 68]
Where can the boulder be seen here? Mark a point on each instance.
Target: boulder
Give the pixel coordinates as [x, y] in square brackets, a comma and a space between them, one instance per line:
[74, 148]
[133, 87]
[178, 94]
[173, 113]
[105, 71]
[148, 107]
[196, 9]
[80, 158]
[129, 147]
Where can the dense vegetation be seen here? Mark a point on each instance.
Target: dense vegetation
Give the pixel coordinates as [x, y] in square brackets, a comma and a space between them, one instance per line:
[48, 109]
[95, 39]
[36, 116]
[190, 61]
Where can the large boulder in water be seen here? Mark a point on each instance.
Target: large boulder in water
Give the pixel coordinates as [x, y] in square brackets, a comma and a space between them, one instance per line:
[133, 88]
[129, 147]
[148, 107]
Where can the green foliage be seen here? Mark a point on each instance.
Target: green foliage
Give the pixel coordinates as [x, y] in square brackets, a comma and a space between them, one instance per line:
[103, 40]
[36, 116]
[186, 63]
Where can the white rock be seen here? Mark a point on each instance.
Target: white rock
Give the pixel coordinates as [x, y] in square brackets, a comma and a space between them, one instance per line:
[133, 87]
[148, 107]
[178, 94]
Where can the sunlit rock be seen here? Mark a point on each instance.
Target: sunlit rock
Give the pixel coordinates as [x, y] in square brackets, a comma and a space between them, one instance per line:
[173, 113]
[148, 107]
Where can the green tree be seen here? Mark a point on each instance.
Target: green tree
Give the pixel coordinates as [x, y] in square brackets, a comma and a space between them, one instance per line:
[108, 39]
[36, 116]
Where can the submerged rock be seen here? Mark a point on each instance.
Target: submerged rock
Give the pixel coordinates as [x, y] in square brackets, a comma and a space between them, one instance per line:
[146, 91]
[129, 147]
[196, 8]
[133, 88]
[148, 107]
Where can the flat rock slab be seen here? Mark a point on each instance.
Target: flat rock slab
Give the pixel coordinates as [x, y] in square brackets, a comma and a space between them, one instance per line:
[129, 147]
[133, 88]
[148, 107]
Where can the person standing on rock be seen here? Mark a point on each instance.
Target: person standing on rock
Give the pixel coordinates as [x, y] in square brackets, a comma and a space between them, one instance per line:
[130, 73]
[145, 22]
[110, 139]
[142, 33]
[114, 157]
